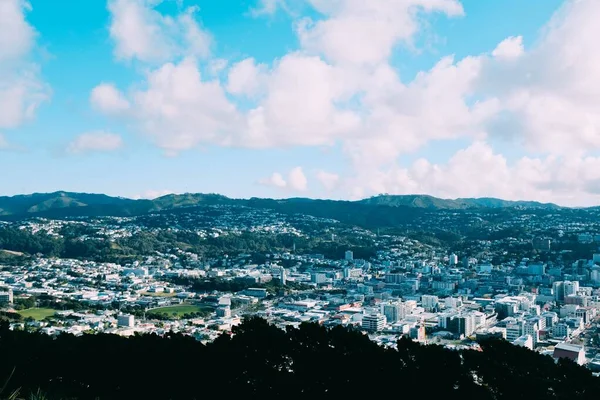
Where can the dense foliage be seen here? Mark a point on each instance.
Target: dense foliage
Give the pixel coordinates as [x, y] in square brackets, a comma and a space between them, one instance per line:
[261, 360]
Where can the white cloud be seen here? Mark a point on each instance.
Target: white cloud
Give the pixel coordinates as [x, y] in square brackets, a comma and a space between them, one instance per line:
[339, 88]
[107, 98]
[3, 142]
[18, 37]
[276, 180]
[180, 110]
[152, 194]
[365, 32]
[296, 180]
[98, 141]
[329, 180]
[268, 7]
[548, 95]
[246, 78]
[141, 32]
[509, 48]
[21, 89]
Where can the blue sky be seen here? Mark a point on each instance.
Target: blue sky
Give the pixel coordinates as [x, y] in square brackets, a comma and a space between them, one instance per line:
[276, 98]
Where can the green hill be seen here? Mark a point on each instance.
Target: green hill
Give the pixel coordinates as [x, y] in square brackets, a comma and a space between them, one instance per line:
[66, 204]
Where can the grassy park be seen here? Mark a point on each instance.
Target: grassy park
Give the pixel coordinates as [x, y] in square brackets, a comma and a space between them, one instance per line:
[179, 310]
[37, 313]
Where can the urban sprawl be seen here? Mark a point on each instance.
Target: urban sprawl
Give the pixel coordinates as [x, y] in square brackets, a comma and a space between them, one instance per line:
[405, 287]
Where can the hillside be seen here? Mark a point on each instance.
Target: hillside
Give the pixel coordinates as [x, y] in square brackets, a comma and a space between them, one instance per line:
[263, 361]
[66, 204]
[430, 202]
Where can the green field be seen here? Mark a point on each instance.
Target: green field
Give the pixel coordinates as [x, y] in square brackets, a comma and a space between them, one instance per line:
[37, 313]
[178, 310]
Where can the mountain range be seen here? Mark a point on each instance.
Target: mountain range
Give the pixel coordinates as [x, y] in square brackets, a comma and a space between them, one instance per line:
[68, 204]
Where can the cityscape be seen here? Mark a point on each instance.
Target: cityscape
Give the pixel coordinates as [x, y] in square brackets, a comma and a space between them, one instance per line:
[299, 199]
[532, 278]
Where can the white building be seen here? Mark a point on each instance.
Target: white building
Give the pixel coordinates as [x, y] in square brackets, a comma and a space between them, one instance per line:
[453, 259]
[524, 341]
[373, 322]
[429, 302]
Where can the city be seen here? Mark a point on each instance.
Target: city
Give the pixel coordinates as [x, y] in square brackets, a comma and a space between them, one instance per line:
[543, 295]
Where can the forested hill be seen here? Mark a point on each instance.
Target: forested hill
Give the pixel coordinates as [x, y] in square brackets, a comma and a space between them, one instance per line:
[65, 204]
[263, 361]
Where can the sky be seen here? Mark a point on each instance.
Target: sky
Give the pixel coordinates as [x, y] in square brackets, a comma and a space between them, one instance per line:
[340, 99]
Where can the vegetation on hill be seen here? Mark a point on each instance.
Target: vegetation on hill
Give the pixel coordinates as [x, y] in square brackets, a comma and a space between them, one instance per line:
[262, 361]
[64, 204]
[430, 202]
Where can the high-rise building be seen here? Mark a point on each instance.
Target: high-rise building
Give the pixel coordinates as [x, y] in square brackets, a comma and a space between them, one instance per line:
[394, 311]
[373, 322]
[6, 296]
[224, 312]
[318, 277]
[453, 259]
[349, 255]
[531, 328]
[126, 320]
[417, 333]
[282, 276]
[429, 302]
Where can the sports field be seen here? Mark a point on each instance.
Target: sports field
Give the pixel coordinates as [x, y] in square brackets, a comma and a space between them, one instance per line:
[37, 313]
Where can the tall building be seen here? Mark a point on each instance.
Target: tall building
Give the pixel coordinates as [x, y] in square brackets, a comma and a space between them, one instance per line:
[394, 311]
[282, 276]
[373, 322]
[126, 320]
[318, 277]
[514, 331]
[418, 333]
[224, 312]
[531, 328]
[349, 255]
[453, 259]
[429, 302]
[6, 296]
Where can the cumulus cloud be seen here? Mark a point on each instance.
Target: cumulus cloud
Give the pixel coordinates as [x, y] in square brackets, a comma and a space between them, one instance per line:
[478, 171]
[18, 36]
[246, 78]
[329, 180]
[179, 109]
[152, 194]
[548, 95]
[98, 141]
[511, 47]
[365, 32]
[107, 98]
[140, 32]
[339, 88]
[21, 89]
[296, 180]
